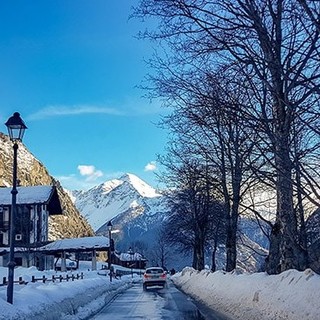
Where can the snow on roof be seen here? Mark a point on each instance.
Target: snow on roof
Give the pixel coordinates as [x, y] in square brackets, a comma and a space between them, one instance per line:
[99, 242]
[123, 256]
[26, 195]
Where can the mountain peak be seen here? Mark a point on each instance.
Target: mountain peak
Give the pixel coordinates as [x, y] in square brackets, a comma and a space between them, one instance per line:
[127, 195]
[142, 187]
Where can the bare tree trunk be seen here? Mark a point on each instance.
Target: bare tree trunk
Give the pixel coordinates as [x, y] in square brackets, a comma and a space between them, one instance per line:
[195, 258]
[213, 258]
[201, 263]
[289, 246]
[303, 259]
[231, 246]
[300, 212]
[273, 258]
[233, 221]
[199, 247]
[200, 257]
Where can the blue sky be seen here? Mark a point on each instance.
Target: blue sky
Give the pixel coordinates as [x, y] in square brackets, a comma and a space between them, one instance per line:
[71, 68]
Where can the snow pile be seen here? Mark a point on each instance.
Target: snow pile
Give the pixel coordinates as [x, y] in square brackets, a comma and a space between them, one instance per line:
[290, 295]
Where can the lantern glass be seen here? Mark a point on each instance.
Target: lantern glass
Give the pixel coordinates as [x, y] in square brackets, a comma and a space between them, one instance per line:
[16, 127]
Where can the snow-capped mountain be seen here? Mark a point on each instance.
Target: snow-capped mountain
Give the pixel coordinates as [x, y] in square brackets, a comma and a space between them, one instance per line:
[136, 209]
[117, 197]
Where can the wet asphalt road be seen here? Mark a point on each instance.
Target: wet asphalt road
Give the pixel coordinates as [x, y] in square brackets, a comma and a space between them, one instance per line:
[154, 304]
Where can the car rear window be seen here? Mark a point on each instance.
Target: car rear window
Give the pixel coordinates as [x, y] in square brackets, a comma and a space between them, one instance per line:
[154, 271]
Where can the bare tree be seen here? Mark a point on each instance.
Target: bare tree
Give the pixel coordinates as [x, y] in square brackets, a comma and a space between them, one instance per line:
[194, 210]
[273, 48]
[208, 128]
[161, 249]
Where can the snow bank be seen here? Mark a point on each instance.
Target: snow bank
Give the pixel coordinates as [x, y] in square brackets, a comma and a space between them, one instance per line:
[290, 295]
[70, 300]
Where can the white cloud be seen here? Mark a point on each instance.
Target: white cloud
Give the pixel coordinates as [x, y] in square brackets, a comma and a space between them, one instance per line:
[129, 106]
[151, 166]
[86, 170]
[60, 110]
[90, 172]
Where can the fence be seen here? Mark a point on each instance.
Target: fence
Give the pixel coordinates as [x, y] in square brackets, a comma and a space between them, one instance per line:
[44, 279]
[120, 272]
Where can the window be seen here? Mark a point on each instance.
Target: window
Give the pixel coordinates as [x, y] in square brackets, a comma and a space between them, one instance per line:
[154, 271]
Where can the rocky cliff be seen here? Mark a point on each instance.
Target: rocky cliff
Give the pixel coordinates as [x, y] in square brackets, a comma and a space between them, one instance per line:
[32, 172]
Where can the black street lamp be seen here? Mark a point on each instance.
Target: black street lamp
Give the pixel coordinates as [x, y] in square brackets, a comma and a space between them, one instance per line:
[109, 226]
[16, 128]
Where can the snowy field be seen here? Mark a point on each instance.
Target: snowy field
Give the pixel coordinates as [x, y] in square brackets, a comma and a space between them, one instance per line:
[291, 295]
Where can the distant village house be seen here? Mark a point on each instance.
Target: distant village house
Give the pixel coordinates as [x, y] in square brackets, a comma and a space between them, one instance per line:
[129, 259]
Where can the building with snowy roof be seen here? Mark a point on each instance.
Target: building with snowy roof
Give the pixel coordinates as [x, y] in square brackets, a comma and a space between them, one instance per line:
[129, 259]
[33, 206]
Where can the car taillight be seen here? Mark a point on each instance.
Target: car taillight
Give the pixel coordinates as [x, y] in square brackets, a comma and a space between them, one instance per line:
[146, 276]
[163, 275]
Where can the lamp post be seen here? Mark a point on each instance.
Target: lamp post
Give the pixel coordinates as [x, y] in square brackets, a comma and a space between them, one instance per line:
[16, 128]
[109, 226]
[131, 258]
